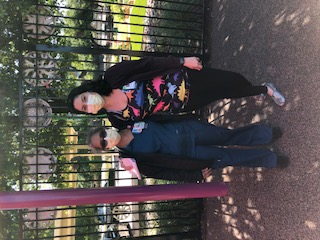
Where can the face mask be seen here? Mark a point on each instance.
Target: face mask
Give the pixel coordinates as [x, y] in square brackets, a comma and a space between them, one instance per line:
[112, 138]
[94, 103]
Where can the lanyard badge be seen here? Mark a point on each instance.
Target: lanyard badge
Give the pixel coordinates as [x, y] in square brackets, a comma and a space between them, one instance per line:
[138, 127]
[129, 86]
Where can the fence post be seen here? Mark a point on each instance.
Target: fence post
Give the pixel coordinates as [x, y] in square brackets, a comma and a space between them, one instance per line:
[66, 197]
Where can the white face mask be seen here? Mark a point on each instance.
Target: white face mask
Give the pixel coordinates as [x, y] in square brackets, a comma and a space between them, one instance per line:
[112, 138]
[94, 103]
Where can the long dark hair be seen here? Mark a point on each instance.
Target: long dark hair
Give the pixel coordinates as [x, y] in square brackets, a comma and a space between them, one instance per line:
[99, 86]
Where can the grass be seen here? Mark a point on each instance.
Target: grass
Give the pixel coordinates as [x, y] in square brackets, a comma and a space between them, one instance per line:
[137, 20]
[133, 31]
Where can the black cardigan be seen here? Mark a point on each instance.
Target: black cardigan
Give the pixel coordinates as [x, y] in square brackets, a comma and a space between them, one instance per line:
[143, 69]
[169, 167]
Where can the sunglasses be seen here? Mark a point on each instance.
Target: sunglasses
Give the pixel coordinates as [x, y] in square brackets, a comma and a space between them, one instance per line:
[103, 142]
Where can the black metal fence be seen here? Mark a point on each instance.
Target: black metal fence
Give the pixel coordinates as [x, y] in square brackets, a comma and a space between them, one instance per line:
[61, 44]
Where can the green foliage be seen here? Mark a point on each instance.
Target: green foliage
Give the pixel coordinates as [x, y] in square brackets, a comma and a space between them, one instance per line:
[172, 25]
[9, 164]
[118, 9]
[171, 216]
[78, 18]
[87, 226]
[9, 218]
[9, 20]
[88, 173]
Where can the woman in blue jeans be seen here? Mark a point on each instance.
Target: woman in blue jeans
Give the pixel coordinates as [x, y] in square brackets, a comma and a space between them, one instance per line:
[176, 150]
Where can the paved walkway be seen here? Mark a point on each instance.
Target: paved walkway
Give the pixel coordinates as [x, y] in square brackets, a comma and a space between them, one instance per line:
[275, 41]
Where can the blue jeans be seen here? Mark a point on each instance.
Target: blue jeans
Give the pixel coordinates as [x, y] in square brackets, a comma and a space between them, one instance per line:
[212, 142]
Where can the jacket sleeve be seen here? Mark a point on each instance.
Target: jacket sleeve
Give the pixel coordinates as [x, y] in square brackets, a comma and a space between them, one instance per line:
[163, 118]
[170, 174]
[140, 70]
[168, 167]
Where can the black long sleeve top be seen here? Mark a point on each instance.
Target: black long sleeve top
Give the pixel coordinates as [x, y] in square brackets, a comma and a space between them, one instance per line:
[168, 167]
[143, 69]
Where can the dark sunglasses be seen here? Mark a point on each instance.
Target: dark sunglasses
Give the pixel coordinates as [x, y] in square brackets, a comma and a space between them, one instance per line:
[102, 136]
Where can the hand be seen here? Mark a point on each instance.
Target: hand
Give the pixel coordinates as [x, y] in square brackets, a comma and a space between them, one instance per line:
[126, 163]
[192, 63]
[207, 174]
[123, 165]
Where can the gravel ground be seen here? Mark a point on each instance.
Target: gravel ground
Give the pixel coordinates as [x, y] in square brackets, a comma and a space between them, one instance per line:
[274, 41]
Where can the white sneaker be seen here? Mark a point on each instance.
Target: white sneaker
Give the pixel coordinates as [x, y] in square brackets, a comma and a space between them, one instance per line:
[277, 97]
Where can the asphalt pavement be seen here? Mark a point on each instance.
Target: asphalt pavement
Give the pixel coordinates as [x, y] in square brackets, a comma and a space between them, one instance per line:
[268, 41]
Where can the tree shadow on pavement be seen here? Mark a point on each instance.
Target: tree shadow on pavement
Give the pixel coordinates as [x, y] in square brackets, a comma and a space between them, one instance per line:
[275, 41]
